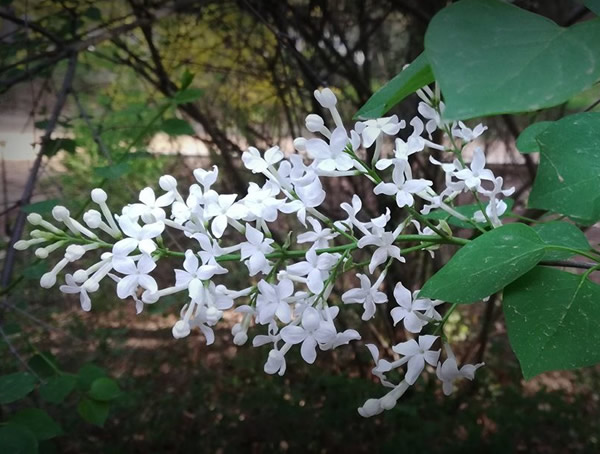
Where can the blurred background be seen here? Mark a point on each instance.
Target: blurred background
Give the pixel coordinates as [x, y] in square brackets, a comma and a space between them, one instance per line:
[91, 94]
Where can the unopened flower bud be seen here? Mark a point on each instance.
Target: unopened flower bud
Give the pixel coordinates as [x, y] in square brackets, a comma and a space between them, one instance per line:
[74, 252]
[326, 98]
[300, 144]
[149, 297]
[60, 213]
[92, 218]
[21, 245]
[34, 218]
[181, 329]
[99, 196]
[314, 122]
[370, 408]
[48, 280]
[240, 338]
[41, 253]
[167, 183]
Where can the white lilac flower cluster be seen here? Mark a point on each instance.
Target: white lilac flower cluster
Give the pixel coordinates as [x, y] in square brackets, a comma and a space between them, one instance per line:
[290, 301]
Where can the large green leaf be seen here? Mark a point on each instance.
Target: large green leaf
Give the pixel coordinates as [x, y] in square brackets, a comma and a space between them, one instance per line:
[57, 388]
[15, 439]
[104, 389]
[491, 57]
[527, 141]
[414, 76]
[15, 386]
[568, 176]
[93, 411]
[593, 5]
[552, 320]
[486, 265]
[38, 422]
[561, 234]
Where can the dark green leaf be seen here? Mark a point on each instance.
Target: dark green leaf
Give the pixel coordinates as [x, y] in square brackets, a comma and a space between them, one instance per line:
[93, 411]
[43, 207]
[561, 234]
[186, 79]
[568, 176]
[593, 5]
[87, 374]
[114, 171]
[57, 388]
[467, 211]
[552, 320]
[491, 57]
[15, 386]
[38, 422]
[104, 389]
[53, 146]
[527, 141]
[17, 440]
[188, 95]
[176, 127]
[415, 76]
[486, 265]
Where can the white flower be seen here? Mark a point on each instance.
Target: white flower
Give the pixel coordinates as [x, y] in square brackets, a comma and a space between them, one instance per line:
[402, 188]
[211, 249]
[332, 156]
[476, 172]
[221, 207]
[381, 365]
[384, 241]
[432, 115]
[151, 208]
[275, 363]
[409, 305]
[418, 354]
[315, 268]
[448, 371]
[255, 249]
[135, 275]
[372, 129]
[314, 331]
[319, 236]
[366, 295]
[73, 287]
[261, 202]
[193, 273]
[258, 164]
[139, 237]
[273, 300]
[467, 134]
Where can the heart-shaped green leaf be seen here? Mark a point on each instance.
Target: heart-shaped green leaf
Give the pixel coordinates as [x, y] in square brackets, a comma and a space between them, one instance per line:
[568, 176]
[486, 265]
[491, 57]
[552, 320]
